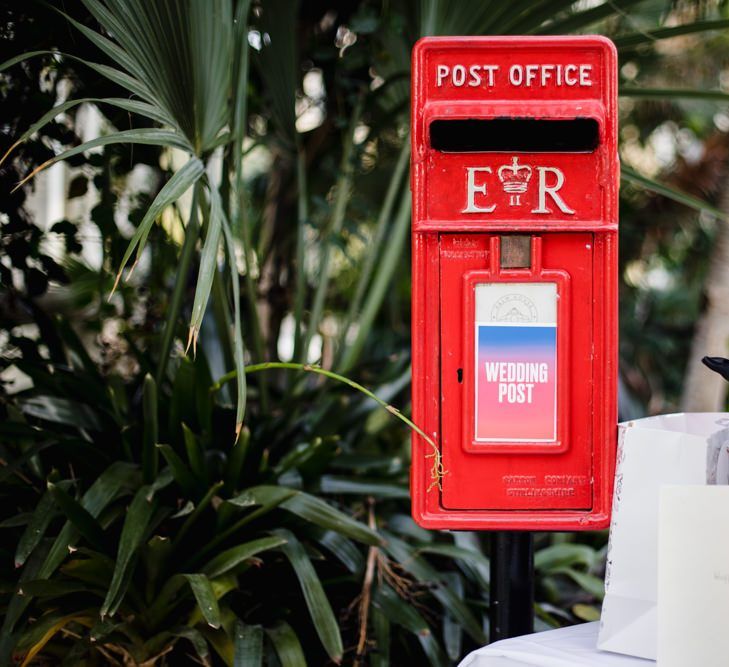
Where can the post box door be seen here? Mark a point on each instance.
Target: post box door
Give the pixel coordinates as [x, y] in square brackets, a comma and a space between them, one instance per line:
[516, 373]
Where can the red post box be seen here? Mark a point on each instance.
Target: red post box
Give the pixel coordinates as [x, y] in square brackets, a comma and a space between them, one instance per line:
[514, 328]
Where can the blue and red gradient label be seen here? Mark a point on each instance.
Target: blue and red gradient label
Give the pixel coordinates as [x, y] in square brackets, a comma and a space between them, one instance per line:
[516, 365]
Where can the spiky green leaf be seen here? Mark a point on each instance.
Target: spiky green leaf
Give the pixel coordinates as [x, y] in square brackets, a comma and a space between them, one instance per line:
[135, 527]
[205, 598]
[317, 602]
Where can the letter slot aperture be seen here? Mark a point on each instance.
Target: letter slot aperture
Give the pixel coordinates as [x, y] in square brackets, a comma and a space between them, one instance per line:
[529, 135]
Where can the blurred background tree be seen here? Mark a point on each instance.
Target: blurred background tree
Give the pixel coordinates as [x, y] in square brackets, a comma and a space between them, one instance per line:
[271, 141]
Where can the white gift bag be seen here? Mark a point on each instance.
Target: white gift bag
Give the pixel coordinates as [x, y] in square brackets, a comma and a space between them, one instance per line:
[693, 576]
[686, 448]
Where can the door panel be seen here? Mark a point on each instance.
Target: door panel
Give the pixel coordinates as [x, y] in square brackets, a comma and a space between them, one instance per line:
[516, 374]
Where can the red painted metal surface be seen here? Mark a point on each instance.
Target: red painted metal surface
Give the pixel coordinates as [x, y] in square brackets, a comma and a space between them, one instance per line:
[514, 369]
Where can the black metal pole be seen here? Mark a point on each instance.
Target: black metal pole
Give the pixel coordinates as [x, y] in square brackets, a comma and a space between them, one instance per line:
[512, 584]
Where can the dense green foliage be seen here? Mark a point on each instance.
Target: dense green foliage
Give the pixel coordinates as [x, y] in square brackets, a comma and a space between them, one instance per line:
[169, 495]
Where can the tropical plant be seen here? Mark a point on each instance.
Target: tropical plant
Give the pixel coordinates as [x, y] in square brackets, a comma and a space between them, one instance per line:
[164, 542]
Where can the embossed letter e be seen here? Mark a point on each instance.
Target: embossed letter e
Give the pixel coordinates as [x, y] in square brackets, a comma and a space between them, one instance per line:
[472, 189]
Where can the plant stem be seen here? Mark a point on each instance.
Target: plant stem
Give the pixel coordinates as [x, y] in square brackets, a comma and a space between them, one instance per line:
[150, 456]
[366, 594]
[240, 216]
[302, 217]
[218, 296]
[223, 322]
[437, 471]
[373, 249]
[341, 199]
[391, 260]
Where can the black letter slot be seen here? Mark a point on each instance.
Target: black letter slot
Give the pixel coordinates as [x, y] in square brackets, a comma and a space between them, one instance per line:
[530, 135]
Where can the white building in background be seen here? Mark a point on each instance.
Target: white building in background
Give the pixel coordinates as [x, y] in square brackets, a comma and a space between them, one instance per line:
[48, 201]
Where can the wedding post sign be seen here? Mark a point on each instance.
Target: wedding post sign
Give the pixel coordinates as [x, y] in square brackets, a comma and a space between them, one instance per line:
[516, 362]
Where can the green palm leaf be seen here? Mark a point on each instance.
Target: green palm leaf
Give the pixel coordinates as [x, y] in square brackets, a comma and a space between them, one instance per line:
[134, 106]
[405, 614]
[248, 645]
[674, 93]
[632, 176]
[231, 558]
[145, 135]
[317, 602]
[116, 76]
[427, 574]
[533, 15]
[287, 645]
[34, 532]
[180, 471]
[208, 268]
[110, 485]
[181, 181]
[135, 528]
[79, 516]
[587, 17]
[237, 324]
[322, 514]
[205, 597]
[277, 63]
[182, 53]
[631, 41]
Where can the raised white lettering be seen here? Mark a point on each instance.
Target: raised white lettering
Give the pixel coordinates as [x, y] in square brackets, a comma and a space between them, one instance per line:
[585, 71]
[529, 75]
[546, 73]
[441, 73]
[491, 71]
[472, 188]
[459, 75]
[552, 191]
[570, 80]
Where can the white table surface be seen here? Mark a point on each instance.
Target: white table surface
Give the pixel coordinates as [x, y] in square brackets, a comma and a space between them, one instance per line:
[574, 646]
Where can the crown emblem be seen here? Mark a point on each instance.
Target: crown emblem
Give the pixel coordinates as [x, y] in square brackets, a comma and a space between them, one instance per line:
[515, 177]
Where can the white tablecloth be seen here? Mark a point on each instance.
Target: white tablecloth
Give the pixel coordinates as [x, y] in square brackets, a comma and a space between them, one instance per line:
[566, 647]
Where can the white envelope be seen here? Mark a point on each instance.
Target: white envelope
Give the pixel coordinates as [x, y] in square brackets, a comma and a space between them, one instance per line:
[693, 576]
[669, 449]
